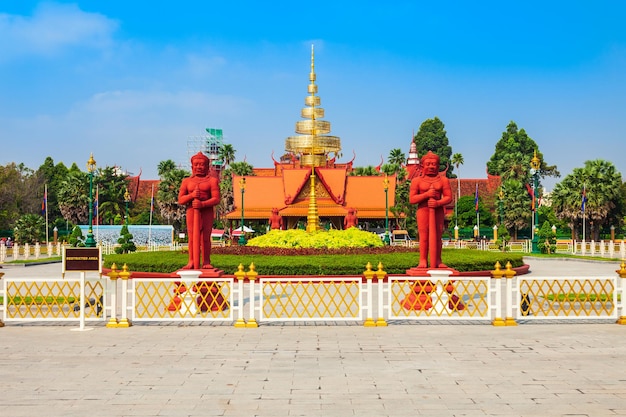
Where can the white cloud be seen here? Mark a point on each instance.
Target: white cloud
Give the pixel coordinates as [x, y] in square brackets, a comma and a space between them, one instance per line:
[52, 28]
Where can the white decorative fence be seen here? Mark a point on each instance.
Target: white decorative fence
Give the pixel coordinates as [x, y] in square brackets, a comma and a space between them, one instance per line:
[373, 299]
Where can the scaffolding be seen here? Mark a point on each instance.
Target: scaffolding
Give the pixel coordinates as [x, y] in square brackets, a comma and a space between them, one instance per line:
[209, 144]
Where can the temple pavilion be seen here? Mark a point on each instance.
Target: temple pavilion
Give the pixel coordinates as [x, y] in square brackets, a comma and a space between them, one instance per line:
[308, 186]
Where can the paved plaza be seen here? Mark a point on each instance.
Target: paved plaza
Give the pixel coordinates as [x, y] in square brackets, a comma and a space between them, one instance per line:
[324, 370]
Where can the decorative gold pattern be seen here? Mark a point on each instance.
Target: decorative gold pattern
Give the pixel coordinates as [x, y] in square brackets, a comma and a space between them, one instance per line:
[312, 298]
[568, 297]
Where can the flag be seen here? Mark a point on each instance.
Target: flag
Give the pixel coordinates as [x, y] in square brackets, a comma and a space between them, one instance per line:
[95, 205]
[584, 199]
[476, 198]
[44, 203]
[531, 193]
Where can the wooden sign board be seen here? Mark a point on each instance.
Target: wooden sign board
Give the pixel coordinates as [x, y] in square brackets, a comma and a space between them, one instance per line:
[82, 259]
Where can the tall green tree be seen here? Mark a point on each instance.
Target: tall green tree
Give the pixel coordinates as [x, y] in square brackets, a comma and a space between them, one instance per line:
[512, 156]
[111, 185]
[511, 161]
[517, 206]
[432, 136]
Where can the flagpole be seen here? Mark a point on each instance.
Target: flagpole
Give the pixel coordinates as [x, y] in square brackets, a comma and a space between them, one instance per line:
[151, 210]
[97, 212]
[477, 212]
[45, 202]
[583, 208]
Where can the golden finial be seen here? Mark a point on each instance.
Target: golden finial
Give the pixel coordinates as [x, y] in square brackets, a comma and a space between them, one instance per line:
[535, 163]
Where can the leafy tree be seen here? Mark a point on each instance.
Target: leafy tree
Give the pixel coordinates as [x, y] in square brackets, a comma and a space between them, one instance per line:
[517, 206]
[52, 175]
[30, 228]
[467, 213]
[547, 239]
[431, 136]
[76, 237]
[512, 156]
[112, 186]
[126, 242]
[19, 193]
[605, 204]
[511, 161]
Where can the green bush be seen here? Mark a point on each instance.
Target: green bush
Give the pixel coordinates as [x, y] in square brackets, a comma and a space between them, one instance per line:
[395, 260]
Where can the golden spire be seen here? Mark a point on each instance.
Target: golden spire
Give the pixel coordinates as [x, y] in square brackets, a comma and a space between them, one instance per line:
[312, 144]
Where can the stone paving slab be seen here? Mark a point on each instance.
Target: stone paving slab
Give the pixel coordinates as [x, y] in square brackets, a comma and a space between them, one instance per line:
[447, 370]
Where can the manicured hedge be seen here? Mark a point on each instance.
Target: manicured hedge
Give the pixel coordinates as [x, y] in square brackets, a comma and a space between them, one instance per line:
[269, 261]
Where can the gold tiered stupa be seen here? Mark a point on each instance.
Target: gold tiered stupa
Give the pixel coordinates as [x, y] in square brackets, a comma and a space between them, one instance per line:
[313, 144]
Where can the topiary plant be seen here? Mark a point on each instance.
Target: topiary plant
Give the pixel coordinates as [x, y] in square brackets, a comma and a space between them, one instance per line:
[126, 242]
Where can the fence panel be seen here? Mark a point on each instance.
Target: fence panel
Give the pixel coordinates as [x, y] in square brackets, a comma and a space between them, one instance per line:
[574, 298]
[52, 299]
[314, 298]
[173, 299]
[418, 298]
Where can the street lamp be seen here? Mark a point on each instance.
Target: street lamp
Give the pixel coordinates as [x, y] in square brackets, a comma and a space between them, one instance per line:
[126, 200]
[535, 164]
[90, 242]
[242, 186]
[386, 188]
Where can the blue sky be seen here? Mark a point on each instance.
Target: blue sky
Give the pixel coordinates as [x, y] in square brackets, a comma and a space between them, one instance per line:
[131, 81]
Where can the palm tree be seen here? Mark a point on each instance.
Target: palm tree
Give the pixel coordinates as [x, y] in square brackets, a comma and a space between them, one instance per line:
[605, 202]
[73, 196]
[457, 161]
[396, 156]
[227, 154]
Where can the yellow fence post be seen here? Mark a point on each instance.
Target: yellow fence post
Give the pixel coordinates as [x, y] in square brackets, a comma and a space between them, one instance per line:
[113, 275]
[252, 274]
[380, 276]
[497, 274]
[1, 275]
[124, 275]
[240, 275]
[369, 275]
[509, 274]
[622, 274]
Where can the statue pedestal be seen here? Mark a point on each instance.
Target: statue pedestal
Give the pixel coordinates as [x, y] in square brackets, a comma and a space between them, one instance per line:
[208, 293]
[439, 286]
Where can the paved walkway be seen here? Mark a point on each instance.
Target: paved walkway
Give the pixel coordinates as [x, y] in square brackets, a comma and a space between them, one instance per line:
[400, 370]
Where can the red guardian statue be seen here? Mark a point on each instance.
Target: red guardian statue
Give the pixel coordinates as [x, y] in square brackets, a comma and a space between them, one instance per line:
[351, 220]
[276, 220]
[199, 193]
[431, 192]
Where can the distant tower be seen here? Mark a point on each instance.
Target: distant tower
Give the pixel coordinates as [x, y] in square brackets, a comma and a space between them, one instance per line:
[413, 161]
